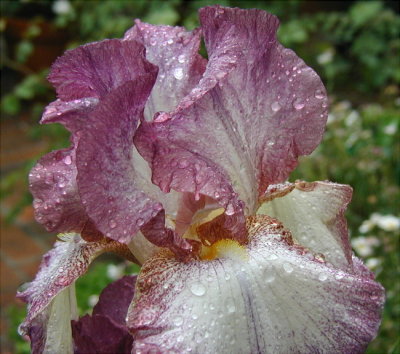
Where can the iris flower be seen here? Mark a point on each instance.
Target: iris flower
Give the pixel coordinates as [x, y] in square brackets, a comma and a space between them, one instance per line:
[180, 164]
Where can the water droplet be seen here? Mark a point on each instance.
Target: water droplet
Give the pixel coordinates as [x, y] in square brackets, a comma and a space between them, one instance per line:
[140, 222]
[113, 224]
[178, 321]
[288, 268]
[183, 164]
[170, 41]
[67, 160]
[178, 73]
[339, 276]
[230, 305]
[322, 277]
[275, 106]
[272, 257]
[21, 330]
[161, 116]
[269, 277]
[271, 143]
[181, 58]
[319, 94]
[198, 289]
[230, 210]
[298, 104]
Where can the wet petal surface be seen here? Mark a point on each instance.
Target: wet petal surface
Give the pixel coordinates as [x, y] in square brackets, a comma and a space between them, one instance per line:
[314, 214]
[275, 297]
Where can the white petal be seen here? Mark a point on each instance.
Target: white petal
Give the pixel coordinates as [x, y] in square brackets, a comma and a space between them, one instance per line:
[277, 299]
[61, 311]
[314, 214]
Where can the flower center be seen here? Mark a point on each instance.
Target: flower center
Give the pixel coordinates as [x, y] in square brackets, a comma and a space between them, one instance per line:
[225, 248]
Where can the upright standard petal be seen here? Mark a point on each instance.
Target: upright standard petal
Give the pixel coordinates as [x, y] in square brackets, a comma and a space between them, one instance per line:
[107, 175]
[82, 77]
[314, 214]
[257, 108]
[270, 296]
[175, 52]
[60, 267]
[96, 69]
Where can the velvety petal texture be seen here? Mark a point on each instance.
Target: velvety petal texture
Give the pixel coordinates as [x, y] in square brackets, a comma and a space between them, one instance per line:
[59, 269]
[314, 213]
[271, 296]
[105, 330]
[257, 107]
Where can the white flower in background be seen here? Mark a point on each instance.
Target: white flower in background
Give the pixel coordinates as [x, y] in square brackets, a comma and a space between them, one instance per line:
[388, 222]
[115, 272]
[93, 300]
[326, 56]
[373, 263]
[390, 129]
[366, 226]
[364, 246]
[352, 118]
[343, 105]
[61, 7]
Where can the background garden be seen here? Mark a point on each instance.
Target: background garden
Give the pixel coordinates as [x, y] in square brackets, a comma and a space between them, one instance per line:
[353, 45]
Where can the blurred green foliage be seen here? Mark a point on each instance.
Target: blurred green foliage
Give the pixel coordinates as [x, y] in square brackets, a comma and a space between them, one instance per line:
[354, 47]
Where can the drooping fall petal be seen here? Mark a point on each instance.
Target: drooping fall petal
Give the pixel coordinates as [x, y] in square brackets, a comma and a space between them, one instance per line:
[60, 267]
[269, 296]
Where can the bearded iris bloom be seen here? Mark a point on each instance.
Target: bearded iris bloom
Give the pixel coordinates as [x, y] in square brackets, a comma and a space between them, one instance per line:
[179, 163]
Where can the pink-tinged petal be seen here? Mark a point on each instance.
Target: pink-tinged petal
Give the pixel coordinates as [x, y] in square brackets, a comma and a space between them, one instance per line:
[60, 267]
[270, 296]
[256, 109]
[106, 178]
[52, 182]
[105, 331]
[314, 214]
[175, 52]
[71, 114]
[109, 182]
[96, 69]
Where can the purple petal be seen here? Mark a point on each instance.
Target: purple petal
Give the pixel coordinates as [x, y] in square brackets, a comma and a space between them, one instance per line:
[175, 52]
[56, 202]
[96, 69]
[71, 114]
[114, 300]
[229, 133]
[60, 267]
[314, 214]
[268, 296]
[106, 178]
[99, 334]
